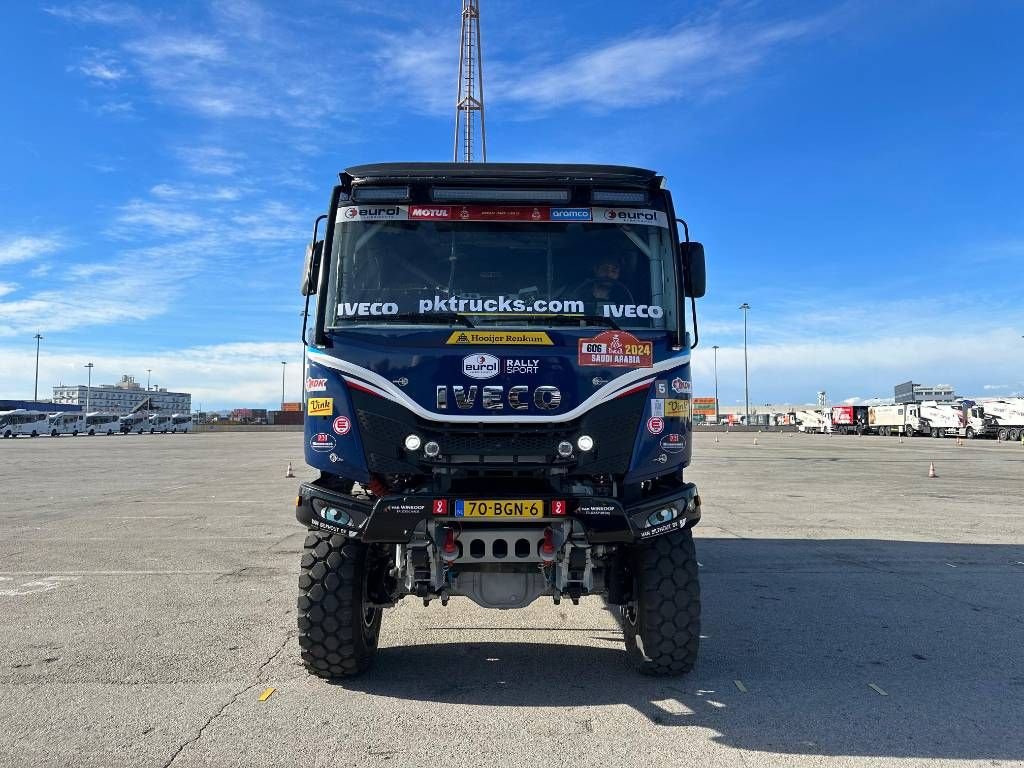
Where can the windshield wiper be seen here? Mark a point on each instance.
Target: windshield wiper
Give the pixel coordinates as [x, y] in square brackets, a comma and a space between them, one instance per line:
[589, 319]
[432, 317]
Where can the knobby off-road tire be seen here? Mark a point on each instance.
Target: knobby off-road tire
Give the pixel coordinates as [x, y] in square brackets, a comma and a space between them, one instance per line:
[662, 625]
[337, 633]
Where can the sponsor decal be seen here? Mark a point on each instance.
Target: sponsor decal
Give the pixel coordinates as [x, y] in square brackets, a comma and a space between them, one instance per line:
[335, 458]
[481, 366]
[597, 381]
[320, 406]
[657, 407]
[632, 310]
[661, 388]
[558, 507]
[432, 212]
[502, 213]
[679, 409]
[592, 508]
[679, 386]
[616, 349]
[661, 458]
[655, 425]
[372, 213]
[673, 443]
[570, 214]
[440, 507]
[408, 507]
[516, 365]
[537, 338]
[367, 308]
[321, 442]
[342, 425]
[401, 382]
[501, 305]
[316, 385]
[327, 526]
[645, 216]
[658, 530]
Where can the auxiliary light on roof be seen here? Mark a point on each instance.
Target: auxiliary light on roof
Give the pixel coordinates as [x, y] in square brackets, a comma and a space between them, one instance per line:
[619, 197]
[460, 194]
[379, 194]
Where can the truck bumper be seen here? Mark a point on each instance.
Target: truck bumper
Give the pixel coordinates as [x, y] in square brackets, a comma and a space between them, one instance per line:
[394, 519]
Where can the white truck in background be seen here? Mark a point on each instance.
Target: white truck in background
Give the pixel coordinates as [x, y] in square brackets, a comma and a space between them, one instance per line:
[65, 423]
[899, 419]
[964, 418]
[102, 423]
[1008, 416]
[24, 422]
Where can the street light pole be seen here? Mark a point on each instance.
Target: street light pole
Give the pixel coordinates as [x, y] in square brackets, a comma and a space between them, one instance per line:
[149, 371]
[35, 393]
[746, 371]
[88, 390]
[715, 347]
[284, 367]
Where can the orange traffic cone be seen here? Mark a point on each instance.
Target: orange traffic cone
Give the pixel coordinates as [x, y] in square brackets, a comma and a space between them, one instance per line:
[931, 469]
[289, 472]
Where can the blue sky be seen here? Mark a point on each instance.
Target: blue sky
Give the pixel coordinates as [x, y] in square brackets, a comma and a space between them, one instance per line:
[854, 170]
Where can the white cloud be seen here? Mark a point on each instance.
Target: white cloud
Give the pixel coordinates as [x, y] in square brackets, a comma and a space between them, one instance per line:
[192, 192]
[218, 376]
[996, 386]
[25, 247]
[212, 160]
[103, 68]
[6, 288]
[140, 217]
[95, 13]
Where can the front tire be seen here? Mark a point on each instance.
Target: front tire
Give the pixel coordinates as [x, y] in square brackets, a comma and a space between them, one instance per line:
[337, 631]
[662, 623]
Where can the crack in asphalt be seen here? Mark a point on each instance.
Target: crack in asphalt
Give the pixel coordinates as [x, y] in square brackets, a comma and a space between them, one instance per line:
[234, 697]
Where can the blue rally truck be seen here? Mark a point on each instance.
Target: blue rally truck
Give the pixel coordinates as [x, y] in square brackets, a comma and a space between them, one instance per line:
[498, 402]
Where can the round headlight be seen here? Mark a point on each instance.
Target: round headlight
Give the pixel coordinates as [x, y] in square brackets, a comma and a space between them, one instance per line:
[413, 442]
[661, 516]
[565, 449]
[585, 443]
[432, 449]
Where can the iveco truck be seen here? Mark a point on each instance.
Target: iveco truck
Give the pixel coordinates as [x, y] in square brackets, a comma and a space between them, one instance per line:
[498, 402]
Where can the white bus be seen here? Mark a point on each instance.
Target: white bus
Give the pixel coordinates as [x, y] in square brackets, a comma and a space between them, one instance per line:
[181, 422]
[133, 422]
[102, 423]
[65, 423]
[24, 422]
[159, 423]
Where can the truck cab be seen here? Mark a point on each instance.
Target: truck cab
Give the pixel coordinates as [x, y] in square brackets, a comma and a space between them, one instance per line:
[498, 401]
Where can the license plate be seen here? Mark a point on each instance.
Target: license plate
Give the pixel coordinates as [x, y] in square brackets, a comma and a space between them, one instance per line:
[516, 509]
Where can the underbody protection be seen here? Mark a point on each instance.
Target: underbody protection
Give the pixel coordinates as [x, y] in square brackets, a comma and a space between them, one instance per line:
[498, 401]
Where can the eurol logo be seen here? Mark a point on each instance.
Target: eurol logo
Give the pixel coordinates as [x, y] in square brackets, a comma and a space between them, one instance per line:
[632, 215]
[355, 211]
[481, 366]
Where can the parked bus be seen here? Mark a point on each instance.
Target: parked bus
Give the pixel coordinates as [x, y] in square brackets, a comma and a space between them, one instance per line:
[66, 423]
[102, 423]
[181, 422]
[133, 422]
[24, 422]
[159, 423]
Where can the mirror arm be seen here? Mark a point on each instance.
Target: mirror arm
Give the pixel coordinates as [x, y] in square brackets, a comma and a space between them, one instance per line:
[693, 301]
[305, 309]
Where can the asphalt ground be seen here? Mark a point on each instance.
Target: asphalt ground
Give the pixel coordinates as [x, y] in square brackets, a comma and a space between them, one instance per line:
[856, 612]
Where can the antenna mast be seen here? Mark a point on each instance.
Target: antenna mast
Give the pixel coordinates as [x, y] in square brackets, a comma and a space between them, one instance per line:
[471, 86]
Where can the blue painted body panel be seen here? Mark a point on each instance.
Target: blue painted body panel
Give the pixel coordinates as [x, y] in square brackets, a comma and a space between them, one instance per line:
[416, 361]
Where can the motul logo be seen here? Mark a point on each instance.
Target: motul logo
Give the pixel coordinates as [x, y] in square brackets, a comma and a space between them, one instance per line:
[430, 213]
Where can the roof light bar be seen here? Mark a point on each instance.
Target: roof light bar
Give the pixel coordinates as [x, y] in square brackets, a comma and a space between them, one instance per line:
[619, 197]
[379, 194]
[446, 194]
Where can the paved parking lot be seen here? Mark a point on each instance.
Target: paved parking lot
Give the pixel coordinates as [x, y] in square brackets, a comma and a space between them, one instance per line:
[856, 612]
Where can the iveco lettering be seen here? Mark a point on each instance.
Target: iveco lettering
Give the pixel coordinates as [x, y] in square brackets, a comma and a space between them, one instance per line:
[490, 347]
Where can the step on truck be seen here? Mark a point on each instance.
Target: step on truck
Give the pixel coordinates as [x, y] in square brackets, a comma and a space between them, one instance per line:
[498, 402]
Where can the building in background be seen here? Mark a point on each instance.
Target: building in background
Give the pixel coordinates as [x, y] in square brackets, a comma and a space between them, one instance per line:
[124, 397]
[909, 392]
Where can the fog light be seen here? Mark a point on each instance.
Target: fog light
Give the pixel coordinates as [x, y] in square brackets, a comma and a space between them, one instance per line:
[585, 443]
[413, 443]
[663, 515]
[565, 449]
[339, 516]
[432, 449]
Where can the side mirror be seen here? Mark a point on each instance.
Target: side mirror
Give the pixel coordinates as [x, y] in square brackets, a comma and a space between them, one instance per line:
[311, 271]
[694, 276]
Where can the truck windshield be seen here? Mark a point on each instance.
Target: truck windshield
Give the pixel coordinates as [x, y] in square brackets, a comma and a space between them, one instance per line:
[501, 265]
